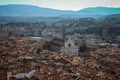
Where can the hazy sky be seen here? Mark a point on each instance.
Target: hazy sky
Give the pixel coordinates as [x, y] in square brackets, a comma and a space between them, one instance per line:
[65, 4]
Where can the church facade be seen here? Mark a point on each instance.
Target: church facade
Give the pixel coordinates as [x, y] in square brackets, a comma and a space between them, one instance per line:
[70, 47]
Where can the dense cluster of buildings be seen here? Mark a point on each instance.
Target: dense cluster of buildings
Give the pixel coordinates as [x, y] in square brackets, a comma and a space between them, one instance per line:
[23, 58]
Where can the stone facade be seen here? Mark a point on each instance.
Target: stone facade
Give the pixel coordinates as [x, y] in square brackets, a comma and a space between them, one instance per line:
[70, 47]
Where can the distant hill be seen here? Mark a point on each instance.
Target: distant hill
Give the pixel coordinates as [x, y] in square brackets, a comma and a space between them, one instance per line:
[30, 11]
[15, 10]
[101, 10]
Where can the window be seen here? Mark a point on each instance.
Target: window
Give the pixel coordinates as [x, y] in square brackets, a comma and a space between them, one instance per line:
[69, 45]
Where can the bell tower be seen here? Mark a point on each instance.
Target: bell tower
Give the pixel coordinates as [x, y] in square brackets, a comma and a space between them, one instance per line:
[63, 34]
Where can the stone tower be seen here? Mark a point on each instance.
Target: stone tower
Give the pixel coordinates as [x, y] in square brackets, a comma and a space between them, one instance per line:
[64, 34]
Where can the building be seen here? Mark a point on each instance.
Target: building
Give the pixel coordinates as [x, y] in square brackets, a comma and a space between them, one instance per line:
[70, 47]
[3, 34]
[3, 73]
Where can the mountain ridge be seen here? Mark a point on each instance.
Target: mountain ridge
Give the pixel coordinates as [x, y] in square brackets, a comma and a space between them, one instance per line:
[19, 10]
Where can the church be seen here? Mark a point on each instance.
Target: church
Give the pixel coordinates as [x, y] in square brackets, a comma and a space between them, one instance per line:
[70, 47]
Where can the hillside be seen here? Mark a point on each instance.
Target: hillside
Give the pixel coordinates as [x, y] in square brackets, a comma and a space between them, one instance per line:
[15, 10]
